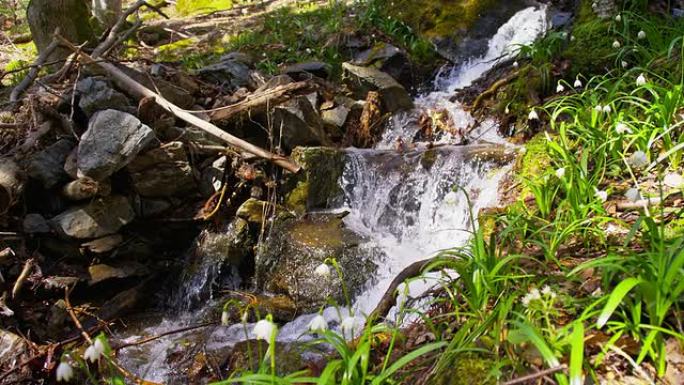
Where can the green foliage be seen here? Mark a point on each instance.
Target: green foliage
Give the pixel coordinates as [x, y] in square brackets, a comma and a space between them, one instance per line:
[192, 7]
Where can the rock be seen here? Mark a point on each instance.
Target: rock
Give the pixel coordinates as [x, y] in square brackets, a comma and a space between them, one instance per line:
[96, 95]
[299, 124]
[281, 307]
[101, 272]
[103, 216]
[35, 224]
[297, 247]
[212, 177]
[604, 9]
[304, 70]
[48, 165]
[104, 244]
[254, 211]
[276, 81]
[231, 246]
[162, 172]
[172, 92]
[126, 301]
[13, 351]
[231, 72]
[389, 59]
[85, 188]
[148, 208]
[317, 187]
[112, 140]
[71, 164]
[363, 79]
[561, 19]
[335, 117]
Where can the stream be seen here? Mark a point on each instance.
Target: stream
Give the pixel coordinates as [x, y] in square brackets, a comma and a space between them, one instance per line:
[404, 207]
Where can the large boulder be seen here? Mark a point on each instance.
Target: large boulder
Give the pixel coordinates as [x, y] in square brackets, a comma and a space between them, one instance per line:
[296, 247]
[297, 123]
[361, 80]
[389, 59]
[317, 186]
[112, 140]
[162, 172]
[47, 166]
[96, 94]
[102, 216]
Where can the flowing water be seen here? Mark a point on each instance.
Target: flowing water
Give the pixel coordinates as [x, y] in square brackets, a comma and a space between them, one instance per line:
[405, 203]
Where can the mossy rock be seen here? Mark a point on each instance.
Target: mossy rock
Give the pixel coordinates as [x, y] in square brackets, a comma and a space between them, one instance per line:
[467, 369]
[317, 185]
[536, 159]
[255, 212]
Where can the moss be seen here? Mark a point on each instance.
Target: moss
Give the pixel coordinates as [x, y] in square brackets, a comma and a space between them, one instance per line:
[467, 369]
[536, 159]
[191, 7]
[326, 234]
[296, 199]
[675, 229]
[317, 184]
[591, 50]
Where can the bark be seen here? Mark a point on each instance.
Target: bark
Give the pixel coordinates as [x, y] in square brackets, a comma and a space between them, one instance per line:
[11, 184]
[70, 16]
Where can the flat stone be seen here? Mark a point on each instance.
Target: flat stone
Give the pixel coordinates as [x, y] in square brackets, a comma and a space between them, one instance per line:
[104, 244]
[335, 117]
[363, 79]
[316, 68]
[102, 272]
[162, 172]
[47, 166]
[103, 216]
[112, 140]
[229, 72]
[96, 94]
[299, 124]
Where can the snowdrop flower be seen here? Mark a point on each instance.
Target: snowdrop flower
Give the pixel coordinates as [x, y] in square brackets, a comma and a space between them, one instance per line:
[641, 80]
[323, 270]
[560, 173]
[624, 64]
[64, 372]
[265, 330]
[515, 64]
[318, 324]
[673, 180]
[641, 35]
[533, 115]
[618, 18]
[607, 109]
[622, 128]
[451, 198]
[578, 83]
[560, 88]
[601, 194]
[594, 4]
[572, 37]
[308, 50]
[348, 324]
[598, 108]
[94, 351]
[225, 318]
[616, 44]
[638, 160]
[633, 195]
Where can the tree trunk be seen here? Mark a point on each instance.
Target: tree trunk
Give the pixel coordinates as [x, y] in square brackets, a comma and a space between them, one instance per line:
[72, 17]
[107, 12]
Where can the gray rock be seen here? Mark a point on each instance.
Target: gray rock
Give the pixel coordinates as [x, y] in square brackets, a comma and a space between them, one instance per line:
[230, 72]
[147, 208]
[35, 224]
[276, 81]
[96, 95]
[297, 247]
[561, 19]
[13, 351]
[231, 246]
[335, 117]
[102, 272]
[604, 9]
[48, 165]
[306, 69]
[162, 172]
[387, 58]
[317, 186]
[363, 79]
[112, 140]
[299, 124]
[98, 218]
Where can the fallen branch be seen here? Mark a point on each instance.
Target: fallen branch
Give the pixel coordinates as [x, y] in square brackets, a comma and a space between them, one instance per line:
[35, 69]
[112, 37]
[141, 92]
[534, 376]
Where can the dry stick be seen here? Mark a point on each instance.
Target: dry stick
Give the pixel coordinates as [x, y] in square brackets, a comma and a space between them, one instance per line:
[141, 91]
[536, 375]
[111, 38]
[22, 277]
[35, 68]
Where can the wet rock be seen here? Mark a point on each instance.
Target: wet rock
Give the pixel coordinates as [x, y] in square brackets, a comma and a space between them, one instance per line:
[35, 224]
[317, 187]
[13, 351]
[112, 140]
[288, 356]
[126, 301]
[85, 188]
[335, 117]
[104, 244]
[298, 123]
[71, 164]
[230, 72]
[389, 59]
[255, 211]
[561, 19]
[103, 216]
[363, 79]
[148, 208]
[47, 166]
[102, 272]
[297, 247]
[305, 70]
[96, 94]
[230, 246]
[162, 172]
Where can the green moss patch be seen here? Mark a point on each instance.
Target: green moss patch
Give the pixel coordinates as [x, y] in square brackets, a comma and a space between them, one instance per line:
[193, 7]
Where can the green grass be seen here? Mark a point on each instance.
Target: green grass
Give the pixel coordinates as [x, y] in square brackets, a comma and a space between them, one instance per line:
[193, 7]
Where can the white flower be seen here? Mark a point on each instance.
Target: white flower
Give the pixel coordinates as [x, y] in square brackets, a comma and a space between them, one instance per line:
[323, 270]
[515, 64]
[451, 198]
[526, 300]
[308, 50]
[348, 324]
[578, 83]
[560, 173]
[225, 318]
[64, 372]
[265, 330]
[606, 109]
[641, 35]
[618, 18]
[598, 108]
[641, 80]
[601, 194]
[572, 37]
[318, 323]
[624, 64]
[546, 290]
[594, 4]
[616, 44]
[638, 160]
[673, 180]
[94, 351]
[535, 294]
[533, 115]
[622, 128]
[560, 88]
[633, 195]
